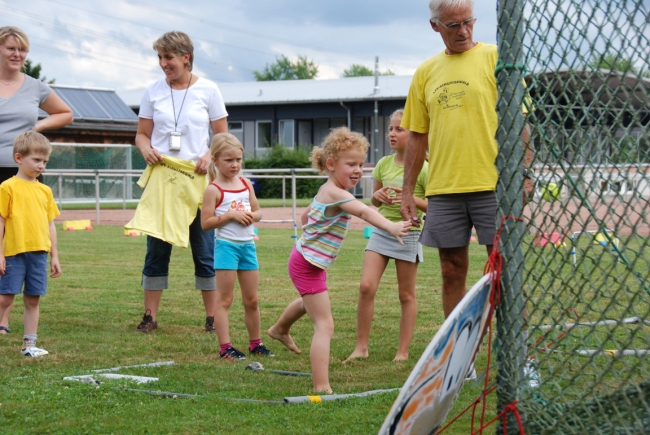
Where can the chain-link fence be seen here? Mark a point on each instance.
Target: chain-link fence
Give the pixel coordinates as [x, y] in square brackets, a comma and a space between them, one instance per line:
[71, 172]
[573, 326]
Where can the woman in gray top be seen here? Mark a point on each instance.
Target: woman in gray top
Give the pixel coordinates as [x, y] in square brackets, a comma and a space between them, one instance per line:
[20, 98]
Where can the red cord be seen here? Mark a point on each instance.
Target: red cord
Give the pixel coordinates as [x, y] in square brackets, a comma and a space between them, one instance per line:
[494, 266]
[512, 407]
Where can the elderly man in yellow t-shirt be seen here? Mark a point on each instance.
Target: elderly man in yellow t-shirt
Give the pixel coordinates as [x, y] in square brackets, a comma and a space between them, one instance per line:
[450, 110]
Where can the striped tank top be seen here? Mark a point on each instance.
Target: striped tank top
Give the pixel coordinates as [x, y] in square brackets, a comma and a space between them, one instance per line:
[323, 236]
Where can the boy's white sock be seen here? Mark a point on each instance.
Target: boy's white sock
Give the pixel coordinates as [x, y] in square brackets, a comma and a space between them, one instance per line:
[29, 340]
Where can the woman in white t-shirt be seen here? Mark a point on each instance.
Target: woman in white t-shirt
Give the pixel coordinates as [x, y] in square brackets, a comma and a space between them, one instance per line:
[175, 116]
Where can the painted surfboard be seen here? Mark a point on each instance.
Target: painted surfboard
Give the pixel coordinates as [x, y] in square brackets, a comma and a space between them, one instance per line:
[433, 386]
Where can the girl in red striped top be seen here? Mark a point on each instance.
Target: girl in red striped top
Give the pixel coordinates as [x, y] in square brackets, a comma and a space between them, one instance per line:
[230, 207]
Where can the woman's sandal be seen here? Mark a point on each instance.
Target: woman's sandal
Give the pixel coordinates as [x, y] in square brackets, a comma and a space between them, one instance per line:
[5, 329]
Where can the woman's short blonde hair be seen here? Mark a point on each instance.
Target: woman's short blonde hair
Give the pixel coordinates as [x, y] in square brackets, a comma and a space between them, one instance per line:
[337, 141]
[178, 43]
[220, 143]
[20, 36]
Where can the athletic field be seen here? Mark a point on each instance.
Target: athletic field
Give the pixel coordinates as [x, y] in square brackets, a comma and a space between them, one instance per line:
[87, 323]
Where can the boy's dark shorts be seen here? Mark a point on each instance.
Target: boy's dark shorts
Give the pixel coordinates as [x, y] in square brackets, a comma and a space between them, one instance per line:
[450, 219]
[29, 268]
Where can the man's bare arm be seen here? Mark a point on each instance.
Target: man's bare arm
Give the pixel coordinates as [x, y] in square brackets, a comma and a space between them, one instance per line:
[529, 155]
[416, 149]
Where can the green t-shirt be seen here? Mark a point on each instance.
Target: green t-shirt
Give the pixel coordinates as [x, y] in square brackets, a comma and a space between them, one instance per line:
[388, 173]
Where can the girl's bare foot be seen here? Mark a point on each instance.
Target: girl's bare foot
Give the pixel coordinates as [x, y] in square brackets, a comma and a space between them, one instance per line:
[358, 354]
[284, 339]
[401, 357]
[326, 389]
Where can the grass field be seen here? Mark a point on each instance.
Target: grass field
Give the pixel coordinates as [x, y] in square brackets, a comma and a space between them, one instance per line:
[88, 318]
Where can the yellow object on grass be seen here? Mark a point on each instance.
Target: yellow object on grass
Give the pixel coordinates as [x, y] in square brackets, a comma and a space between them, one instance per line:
[83, 224]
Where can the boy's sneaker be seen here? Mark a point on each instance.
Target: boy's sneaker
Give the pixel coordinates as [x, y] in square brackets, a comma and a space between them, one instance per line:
[33, 351]
[471, 374]
[147, 324]
[209, 325]
[260, 349]
[531, 375]
[233, 354]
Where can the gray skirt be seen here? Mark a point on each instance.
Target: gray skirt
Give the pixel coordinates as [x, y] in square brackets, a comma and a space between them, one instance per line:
[384, 244]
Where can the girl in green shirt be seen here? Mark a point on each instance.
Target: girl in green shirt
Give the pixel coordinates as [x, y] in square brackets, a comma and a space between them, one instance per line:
[387, 196]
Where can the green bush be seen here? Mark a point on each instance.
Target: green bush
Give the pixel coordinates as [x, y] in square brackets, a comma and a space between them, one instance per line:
[280, 157]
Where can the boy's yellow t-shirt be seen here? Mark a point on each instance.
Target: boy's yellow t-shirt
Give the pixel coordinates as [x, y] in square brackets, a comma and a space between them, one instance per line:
[172, 195]
[28, 207]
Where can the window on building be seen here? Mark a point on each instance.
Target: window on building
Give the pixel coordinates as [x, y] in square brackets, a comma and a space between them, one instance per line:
[235, 126]
[286, 131]
[263, 134]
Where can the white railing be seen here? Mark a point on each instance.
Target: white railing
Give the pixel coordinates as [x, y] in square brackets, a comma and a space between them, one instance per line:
[126, 176]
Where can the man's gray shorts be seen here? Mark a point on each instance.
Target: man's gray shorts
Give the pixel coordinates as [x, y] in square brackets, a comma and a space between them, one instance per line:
[450, 219]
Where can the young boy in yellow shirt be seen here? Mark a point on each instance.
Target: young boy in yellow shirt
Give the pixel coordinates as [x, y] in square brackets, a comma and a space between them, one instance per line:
[27, 234]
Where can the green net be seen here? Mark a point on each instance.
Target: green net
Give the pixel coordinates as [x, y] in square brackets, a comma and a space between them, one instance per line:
[573, 328]
[78, 187]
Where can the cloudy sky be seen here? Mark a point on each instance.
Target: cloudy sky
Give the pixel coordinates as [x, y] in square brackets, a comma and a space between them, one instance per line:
[107, 44]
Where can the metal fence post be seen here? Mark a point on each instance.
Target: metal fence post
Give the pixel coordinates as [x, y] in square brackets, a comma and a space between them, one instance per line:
[284, 201]
[60, 179]
[510, 312]
[124, 193]
[96, 197]
[293, 195]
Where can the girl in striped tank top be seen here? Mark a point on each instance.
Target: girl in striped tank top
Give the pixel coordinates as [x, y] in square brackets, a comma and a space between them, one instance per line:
[325, 224]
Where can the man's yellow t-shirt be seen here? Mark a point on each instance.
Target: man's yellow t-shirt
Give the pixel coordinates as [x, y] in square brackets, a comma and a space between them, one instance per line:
[453, 99]
[173, 193]
[28, 207]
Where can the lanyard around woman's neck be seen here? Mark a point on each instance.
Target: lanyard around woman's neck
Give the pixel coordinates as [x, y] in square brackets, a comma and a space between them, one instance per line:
[171, 92]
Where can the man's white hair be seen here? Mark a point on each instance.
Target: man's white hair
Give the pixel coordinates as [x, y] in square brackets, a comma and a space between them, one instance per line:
[436, 5]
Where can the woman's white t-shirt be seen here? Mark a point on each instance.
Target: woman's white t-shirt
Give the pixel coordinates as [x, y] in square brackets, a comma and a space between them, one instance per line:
[203, 104]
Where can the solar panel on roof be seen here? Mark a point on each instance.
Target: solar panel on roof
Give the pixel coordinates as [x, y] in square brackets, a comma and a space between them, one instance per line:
[94, 104]
[115, 107]
[83, 102]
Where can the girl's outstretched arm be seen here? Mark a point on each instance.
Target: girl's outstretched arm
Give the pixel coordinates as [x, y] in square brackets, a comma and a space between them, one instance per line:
[372, 216]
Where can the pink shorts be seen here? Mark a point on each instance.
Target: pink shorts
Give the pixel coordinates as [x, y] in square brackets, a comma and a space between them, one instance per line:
[307, 278]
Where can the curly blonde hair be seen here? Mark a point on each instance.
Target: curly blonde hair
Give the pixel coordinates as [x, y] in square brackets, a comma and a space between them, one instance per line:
[220, 143]
[337, 141]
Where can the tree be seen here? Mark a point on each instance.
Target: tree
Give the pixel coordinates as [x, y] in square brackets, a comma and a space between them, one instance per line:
[284, 69]
[34, 71]
[357, 70]
[615, 62]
